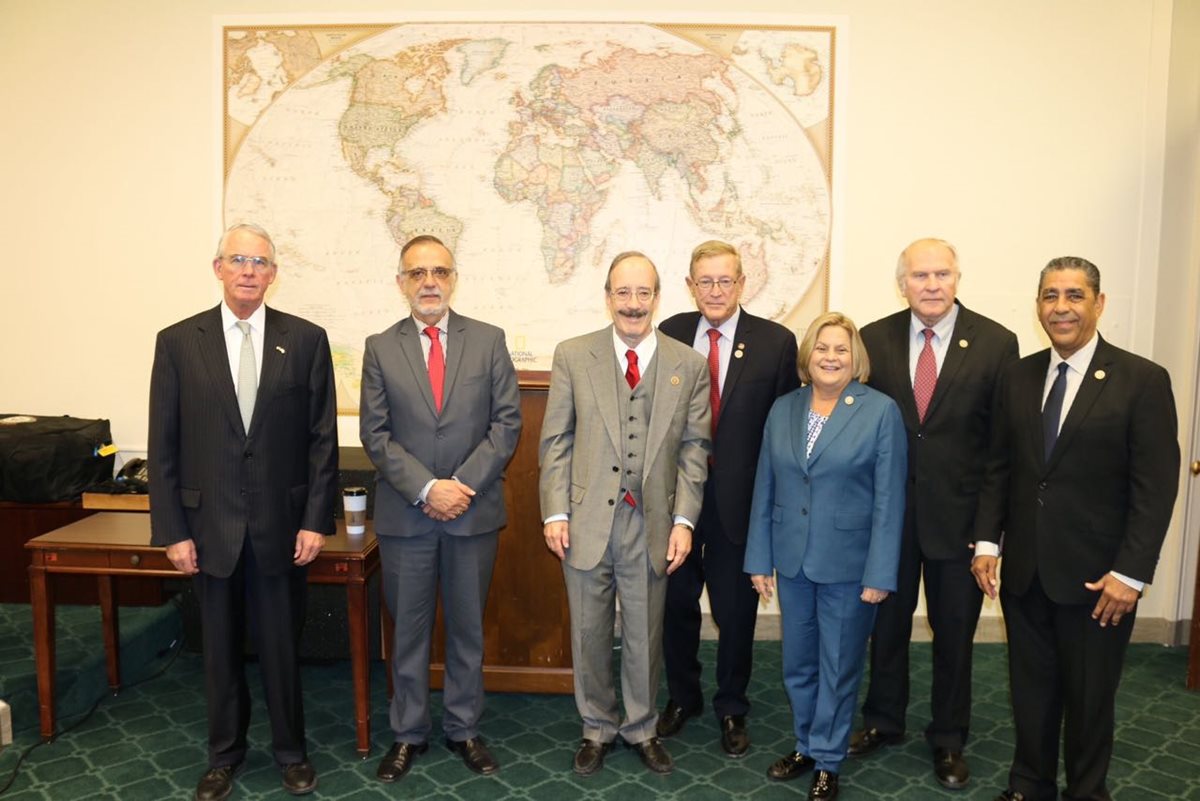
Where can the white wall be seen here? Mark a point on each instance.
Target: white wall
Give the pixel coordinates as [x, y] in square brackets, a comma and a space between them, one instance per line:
[1019, 130]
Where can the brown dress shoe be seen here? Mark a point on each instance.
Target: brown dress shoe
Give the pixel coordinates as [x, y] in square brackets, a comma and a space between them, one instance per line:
[217, 783]
[654, 755]
[299, 778]
[950, 769]
[735, 740]
[475, 755]
[673, 716]
[870, 740]
[589, 757]
[398, 760]
[790, 767]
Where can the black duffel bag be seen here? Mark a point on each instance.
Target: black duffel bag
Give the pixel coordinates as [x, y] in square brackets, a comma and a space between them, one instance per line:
[45, 459]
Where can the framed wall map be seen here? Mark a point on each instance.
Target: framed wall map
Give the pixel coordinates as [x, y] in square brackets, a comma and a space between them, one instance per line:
[537, 151]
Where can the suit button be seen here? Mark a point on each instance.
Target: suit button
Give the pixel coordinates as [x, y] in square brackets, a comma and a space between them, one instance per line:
[920, 435]
[630, 455]
[441, 435]
[1040, 503]
[633, 436]
[248, 455]
[632, 418]
[611, 502]
[616, 469]
[804, 511]
[1042, 485]
[806, 479]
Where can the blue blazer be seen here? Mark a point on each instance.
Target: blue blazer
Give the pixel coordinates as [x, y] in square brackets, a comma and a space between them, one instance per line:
[837, 514]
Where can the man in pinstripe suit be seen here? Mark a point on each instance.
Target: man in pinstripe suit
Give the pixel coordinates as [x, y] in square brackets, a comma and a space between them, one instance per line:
[243, 481]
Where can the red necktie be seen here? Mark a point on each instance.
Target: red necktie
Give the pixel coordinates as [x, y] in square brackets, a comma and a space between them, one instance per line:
[926, 377]
[714, 376]
[632, 376]
[437, 365]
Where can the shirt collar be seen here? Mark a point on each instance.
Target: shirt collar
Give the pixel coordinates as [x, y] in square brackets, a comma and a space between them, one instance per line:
[727, 328]
[257, 318]
[942, 329]
[645, 349]
[1079, 360]
[442, 325]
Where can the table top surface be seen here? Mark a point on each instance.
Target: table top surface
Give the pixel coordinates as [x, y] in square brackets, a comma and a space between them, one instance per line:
[131, 530]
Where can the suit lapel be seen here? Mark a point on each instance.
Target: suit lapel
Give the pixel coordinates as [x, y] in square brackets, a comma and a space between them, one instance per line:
[666, 396]
[1035, 383]
[410, 345]
[847, 406]
[1090, 388]
[956, 354]
[454, 356]
[211, 341]
[799, 427]
[900, 340]
[275, 348]
[743, 337]
[602, 375]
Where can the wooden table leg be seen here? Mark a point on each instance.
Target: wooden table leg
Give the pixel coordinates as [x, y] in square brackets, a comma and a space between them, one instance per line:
[356, 611]
[41, 603]
[112, 633]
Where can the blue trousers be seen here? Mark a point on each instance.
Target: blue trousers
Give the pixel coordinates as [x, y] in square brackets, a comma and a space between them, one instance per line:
[825, 631]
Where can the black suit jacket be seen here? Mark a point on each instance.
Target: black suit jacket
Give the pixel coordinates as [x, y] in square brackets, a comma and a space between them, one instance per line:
[947, 453]
[765, 370]
[1103, 500]
[215, 483]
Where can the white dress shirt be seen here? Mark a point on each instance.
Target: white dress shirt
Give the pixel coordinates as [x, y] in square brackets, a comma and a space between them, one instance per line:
[943, 330]
[724, 343]
[234, 336]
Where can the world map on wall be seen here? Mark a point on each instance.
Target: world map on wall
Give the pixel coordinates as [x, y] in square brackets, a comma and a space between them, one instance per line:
[536, 152]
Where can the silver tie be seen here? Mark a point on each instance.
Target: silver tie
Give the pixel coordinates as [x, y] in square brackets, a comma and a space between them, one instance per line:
[247, 387]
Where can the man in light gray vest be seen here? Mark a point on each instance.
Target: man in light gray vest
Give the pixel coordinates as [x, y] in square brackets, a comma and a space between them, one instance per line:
[624, 450]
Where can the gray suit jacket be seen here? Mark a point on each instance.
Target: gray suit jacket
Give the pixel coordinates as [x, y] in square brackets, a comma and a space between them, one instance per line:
[410, 443]
[580, 449]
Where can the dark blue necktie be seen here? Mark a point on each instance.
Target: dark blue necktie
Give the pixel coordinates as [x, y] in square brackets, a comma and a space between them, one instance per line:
[1052, 411]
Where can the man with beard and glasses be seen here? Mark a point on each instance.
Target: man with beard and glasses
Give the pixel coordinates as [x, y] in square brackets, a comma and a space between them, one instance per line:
[439, 418]
[624, 451]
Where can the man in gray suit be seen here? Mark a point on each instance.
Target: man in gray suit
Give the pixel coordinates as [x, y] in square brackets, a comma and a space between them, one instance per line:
[623, 453]
[439, 418]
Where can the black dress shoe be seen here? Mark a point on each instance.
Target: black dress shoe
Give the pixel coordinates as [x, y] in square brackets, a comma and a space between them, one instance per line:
[824, 786]
[398, 760]
[654, 755]
[217, 783]
[735, 740]
[673, 716]
[589, 757]
[950, 769]
[790, 767]
[1010, 795]
[869, 740]
[299, 778]
[475, 755]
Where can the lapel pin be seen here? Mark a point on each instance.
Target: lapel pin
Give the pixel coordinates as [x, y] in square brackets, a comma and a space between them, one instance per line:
[741, 346]
[280, 349]
[962, 343]
[849, 400]
[674, 380]
[1100, 375]
[737, 354]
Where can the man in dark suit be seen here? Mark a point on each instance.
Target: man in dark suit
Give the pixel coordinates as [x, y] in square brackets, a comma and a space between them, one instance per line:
[440, 416]
[944, 382]
[623, 455]
[751, 362]
[1081, 486]
[243, 481]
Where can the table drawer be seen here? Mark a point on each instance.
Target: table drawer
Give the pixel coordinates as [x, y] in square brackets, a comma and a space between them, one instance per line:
[149, 559]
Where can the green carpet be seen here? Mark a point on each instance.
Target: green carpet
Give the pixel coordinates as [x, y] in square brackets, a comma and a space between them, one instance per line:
[148, 743]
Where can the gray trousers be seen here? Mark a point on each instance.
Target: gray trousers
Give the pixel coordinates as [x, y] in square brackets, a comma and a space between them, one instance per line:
[624, 573]
[412, 569]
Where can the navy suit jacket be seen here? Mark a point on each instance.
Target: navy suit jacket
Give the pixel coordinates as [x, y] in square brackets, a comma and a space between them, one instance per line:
[215, 483]
[1103, 501]
[837, 514]
[765, 370]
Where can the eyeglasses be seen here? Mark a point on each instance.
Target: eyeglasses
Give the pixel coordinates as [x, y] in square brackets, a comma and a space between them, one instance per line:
[239, 262]
[707, 284]
[418, 274]
[625, 293]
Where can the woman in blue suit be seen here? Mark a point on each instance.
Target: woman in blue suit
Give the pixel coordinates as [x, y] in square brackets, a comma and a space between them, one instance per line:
[826, 518]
